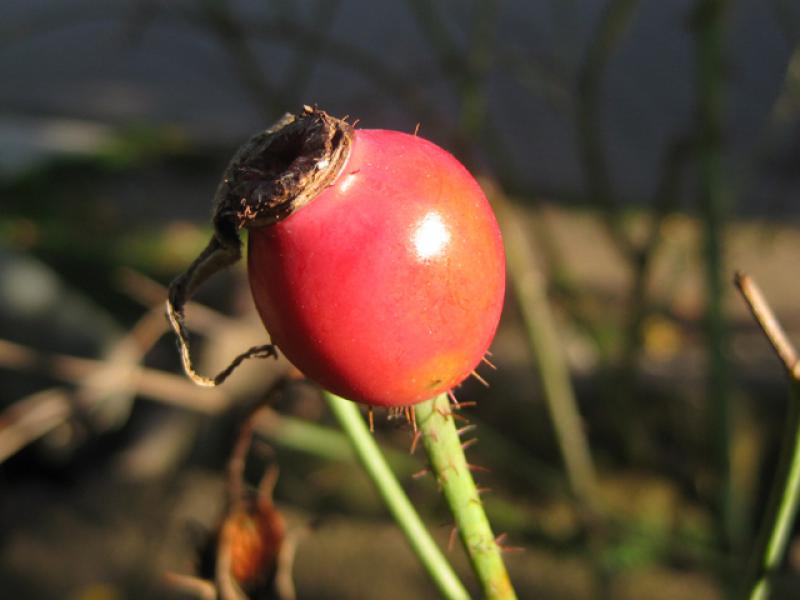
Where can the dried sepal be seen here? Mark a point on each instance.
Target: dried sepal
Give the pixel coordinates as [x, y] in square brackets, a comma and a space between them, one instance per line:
[274, 173]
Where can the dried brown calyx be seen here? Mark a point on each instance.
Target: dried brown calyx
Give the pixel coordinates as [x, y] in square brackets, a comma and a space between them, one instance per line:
[281, 169]
[273, 174]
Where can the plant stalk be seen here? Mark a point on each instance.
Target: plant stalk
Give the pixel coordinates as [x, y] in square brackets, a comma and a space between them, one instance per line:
[547, 350]
[710, 38]
[782, 508]
[371, 458]
[446, 456]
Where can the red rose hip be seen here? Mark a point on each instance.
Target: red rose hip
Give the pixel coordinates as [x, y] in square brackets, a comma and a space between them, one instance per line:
[379, 269]
[388, 286]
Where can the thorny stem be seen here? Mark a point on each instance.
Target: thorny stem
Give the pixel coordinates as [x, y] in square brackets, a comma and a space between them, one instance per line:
[373, 461]
[785, 495]
[446, 456]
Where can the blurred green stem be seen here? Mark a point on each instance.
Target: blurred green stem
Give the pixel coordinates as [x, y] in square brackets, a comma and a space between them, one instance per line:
[778, 521]
[371, 458]
[449, 464]
[710, 31]
[548, 351]
[785, 495]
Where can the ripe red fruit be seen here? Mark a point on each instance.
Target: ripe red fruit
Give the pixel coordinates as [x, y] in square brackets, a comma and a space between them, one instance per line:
[374, 258]
[388, 287]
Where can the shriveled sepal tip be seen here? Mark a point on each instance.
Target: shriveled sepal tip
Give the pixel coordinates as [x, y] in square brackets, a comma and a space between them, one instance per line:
[273, 174]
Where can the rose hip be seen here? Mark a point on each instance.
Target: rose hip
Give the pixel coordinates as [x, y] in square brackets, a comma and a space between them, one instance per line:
[374, 258]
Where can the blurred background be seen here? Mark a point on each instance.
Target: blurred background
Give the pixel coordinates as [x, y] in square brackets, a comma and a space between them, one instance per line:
[637, 153]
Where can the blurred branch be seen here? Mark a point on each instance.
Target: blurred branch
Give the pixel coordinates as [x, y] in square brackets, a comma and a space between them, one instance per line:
[638, 254]
[467, 70]
[151, 294]
[673, 165]
[395, 84]
[218, 17]
[787, 18]
[271, 100]
[318, 440]
[34, 416]
[195, 587]
[547, 350]
[31, 418]
[709, 24]
[151, 383]
[547, 81]
[306, 55]
[785, 109]
[782, 507]
[478, 62]
[613, 25]
[787, 104]
[480, 58]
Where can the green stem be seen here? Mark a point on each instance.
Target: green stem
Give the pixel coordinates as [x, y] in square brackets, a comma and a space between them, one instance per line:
[371, 458]
[449, 464]
[782, 510]
[547, 350]
[710, 31]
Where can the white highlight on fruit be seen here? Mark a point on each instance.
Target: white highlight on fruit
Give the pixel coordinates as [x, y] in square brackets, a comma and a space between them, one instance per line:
[430, 236]
[349, 180]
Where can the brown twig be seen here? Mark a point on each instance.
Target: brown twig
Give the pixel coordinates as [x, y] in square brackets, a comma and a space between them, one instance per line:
[196, 586]
[781, 511]
[34, 416]
[151, 294]
[766, 319]
[31, 417]
[153, 383]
